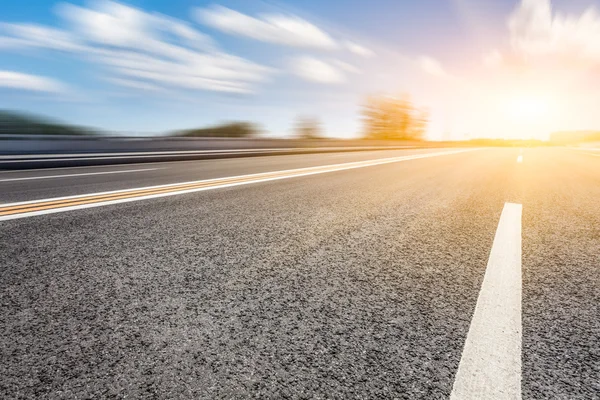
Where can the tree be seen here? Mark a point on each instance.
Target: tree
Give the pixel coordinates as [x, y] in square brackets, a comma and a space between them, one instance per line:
[229, 129]
[13, 123]
[391, 118]
[308, 128]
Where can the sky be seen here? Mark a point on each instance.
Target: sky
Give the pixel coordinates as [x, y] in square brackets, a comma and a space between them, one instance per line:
[482, 68]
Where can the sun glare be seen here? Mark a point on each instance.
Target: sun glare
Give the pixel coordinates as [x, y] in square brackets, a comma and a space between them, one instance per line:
[528, 108]
[528, 115]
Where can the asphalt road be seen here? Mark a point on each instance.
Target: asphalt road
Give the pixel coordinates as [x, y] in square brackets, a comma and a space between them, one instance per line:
[356, 283]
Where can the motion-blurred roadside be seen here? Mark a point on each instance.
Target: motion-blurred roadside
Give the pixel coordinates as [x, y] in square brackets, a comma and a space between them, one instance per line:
[28, 141]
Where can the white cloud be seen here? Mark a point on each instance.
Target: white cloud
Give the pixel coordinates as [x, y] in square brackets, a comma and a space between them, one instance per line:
[41, 36]
[18, 80]
[118, 25]
[272, 28]
[431, 66]
[135, 84]
[144, 54]
[315, 70]
[186, 33]
[359, 50]
[146, 50]
[110, 24]
[11, 43]
[153, 52]
[535, 31]
[194, 71]
[346, 66]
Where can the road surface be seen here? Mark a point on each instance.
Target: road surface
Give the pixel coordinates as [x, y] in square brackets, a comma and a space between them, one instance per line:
[433, 274]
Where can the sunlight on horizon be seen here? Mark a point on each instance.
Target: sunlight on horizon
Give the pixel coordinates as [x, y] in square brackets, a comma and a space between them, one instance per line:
[530, 115]
[523, 69]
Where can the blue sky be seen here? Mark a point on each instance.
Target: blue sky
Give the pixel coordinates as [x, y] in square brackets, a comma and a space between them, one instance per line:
[148, 66]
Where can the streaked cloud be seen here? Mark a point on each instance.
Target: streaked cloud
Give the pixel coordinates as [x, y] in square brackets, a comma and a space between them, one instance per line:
[203, 72]
[141, 50]
[115, 24]
[147, 51]
[346, 66]
[34, 35]
[21, 81]
[11, 43]
[130, 83]
[536, 31]
[273, 28]
[315, 70]
[358, 49]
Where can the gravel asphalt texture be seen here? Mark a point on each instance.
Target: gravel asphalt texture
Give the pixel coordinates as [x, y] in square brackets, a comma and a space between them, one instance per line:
[355, 284]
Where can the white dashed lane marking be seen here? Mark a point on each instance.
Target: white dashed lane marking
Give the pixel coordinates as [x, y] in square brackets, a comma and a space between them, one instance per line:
[490, 366]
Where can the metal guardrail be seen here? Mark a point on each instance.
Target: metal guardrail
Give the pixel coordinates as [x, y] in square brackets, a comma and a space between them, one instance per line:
[29, 151]
[47, 144]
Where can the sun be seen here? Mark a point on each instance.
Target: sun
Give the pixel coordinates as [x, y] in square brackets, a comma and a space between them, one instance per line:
[529, 115]
[528, 107]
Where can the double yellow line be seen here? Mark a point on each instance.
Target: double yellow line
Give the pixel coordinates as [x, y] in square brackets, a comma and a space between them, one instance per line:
[43, 205]
[19, 210]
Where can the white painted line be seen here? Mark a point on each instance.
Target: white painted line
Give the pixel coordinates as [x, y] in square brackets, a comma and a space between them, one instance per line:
[520, 159]
[490, 367]
[256, 179]
[76, 175]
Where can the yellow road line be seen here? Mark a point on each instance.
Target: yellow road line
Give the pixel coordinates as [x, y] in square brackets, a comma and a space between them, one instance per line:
[46, 205]
[31, 208]
[85, 200]
[108, 197]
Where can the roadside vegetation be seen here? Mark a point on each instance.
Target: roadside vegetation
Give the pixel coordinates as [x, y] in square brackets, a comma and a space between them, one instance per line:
[308, 128]
[385, 119]
[394, 118]
[230, 130]
[13, 123]
[574, 137]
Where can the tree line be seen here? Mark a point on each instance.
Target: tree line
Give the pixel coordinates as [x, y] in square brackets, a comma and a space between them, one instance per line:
[384, 118]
